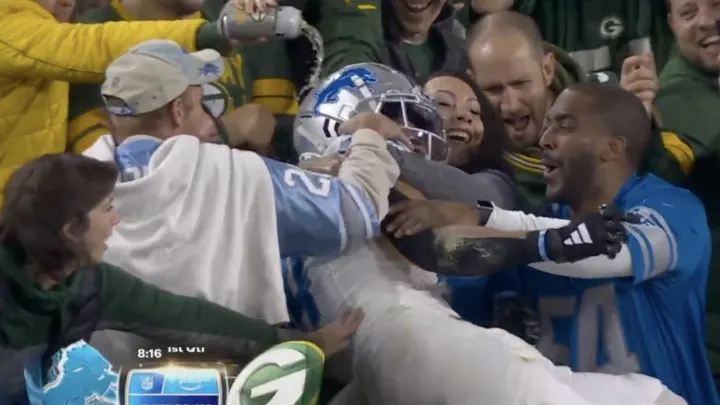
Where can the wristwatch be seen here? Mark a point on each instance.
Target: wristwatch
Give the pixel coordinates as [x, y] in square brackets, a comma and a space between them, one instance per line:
[485, 209]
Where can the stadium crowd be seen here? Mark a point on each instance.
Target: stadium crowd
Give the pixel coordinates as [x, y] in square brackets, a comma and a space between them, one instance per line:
[500, 202]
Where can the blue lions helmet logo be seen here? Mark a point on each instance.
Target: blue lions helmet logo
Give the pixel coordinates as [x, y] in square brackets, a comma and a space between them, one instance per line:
[353, 78]
[79, 375]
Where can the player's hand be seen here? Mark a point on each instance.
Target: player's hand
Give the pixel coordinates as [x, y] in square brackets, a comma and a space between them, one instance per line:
[326, 164]
[379, 123]
[256, 6]
[600, 233]
[639, 77]
[413, 216]
[334, 337]
[250, 126]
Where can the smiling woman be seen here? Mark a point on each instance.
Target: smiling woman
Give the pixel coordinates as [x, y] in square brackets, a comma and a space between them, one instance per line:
[470, 122]
[59, 235]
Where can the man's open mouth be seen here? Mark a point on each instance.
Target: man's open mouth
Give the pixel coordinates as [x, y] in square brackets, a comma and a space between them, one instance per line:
[518, 124]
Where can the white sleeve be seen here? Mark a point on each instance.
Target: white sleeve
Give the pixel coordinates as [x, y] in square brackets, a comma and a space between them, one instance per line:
[516, 221]
[370, 167]
[592, 267]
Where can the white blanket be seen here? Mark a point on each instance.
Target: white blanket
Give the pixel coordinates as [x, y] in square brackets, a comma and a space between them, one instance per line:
[201, 223]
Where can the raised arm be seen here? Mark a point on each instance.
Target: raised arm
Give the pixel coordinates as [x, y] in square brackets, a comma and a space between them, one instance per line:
[319, 214]
[35, 45]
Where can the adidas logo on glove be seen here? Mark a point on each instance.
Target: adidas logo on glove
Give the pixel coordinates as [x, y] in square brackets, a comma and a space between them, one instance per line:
[578, 237]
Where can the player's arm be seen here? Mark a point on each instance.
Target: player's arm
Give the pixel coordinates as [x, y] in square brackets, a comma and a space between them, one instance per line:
[320, 215]
[672, 236]
[480, 251]
[128, 303]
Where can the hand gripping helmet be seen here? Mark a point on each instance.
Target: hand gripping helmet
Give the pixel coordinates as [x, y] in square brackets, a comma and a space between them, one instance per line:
[367, 87]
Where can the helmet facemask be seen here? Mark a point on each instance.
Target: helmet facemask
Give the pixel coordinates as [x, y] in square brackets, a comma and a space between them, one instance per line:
[418, 117]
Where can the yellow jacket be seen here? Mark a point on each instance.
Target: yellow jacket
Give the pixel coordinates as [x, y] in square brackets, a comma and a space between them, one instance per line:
[40, 56]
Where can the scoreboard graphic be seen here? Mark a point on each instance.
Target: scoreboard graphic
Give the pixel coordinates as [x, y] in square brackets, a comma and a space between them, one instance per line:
[181, 384]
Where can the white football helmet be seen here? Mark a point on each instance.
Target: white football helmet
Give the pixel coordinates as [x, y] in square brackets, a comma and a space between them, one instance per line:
[367, 87]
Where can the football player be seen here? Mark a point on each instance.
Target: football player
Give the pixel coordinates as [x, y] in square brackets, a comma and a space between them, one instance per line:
[412, 348]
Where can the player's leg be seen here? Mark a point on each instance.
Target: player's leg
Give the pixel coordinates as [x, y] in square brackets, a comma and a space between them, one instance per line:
[425, 357]
[670, 398]
[626, 389]
[412, 349]
[367, 277]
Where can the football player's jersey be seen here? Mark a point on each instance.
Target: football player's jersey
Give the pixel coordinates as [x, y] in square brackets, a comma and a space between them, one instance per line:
[652, 322]
[317, 215]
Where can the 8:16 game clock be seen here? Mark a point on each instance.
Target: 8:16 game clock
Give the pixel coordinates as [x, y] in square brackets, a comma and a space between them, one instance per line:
[149, 354]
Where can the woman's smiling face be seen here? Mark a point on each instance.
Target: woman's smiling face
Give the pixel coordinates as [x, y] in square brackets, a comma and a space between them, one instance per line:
[460, 109]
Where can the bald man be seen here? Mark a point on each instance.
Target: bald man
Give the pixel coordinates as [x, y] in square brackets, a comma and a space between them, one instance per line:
[521, 75]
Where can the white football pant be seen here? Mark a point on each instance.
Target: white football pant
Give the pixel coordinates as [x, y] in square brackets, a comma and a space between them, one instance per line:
[413, 349]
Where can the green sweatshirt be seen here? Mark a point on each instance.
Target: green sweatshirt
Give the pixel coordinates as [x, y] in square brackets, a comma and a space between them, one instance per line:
[688, 101]
[599, 35]
[32, 317]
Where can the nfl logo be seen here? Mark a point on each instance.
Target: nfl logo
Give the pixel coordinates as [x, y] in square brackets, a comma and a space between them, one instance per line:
[146, 383]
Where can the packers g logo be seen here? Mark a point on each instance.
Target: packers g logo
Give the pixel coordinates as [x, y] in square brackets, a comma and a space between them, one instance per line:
[287, 374]
[611, 27]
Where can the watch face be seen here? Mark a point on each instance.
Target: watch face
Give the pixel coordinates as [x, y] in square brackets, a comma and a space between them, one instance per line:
[161, 383]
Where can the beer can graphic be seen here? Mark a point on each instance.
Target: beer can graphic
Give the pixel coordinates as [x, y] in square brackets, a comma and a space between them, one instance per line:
[174, 384]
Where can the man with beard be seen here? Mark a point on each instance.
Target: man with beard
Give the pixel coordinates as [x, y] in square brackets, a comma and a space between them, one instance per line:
[416, 37]
[643, 310]
[254, 74]
[688, 101]
[521, 76]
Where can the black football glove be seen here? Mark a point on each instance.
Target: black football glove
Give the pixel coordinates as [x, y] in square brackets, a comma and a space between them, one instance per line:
[588, 235]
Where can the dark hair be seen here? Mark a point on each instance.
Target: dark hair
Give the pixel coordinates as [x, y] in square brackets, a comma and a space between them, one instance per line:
[623, 115]
[43, 196]
[491, 152]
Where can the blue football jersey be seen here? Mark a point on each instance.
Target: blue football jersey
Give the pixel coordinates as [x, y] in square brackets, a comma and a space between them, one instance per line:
[317, 214]
[652, 322]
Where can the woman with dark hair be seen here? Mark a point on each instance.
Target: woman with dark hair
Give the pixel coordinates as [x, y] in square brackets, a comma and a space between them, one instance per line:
[55, 291]
[476, 138]
[464, 105]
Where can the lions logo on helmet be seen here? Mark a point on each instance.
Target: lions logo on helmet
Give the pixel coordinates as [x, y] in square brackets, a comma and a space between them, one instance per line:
[368, 88]
[286, 374]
